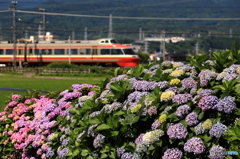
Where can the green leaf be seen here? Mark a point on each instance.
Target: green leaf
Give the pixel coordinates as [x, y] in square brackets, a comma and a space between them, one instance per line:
[237, 89]
[90, 157]
[103, 155]
[72, 110]
[200, 116]
[75, 152]
[147, 76]
[237, 111]
[151, 147]
[93, 121]
[207, 138]
[131, 119]
[85, 152]
[114, 133]
[233, 138]
[118, 113]
[103, 127]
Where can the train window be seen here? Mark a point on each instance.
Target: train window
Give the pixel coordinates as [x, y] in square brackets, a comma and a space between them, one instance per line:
[20, 51]
[113, 41]
[116, 52]
[59, 51]
[47, 51]
[88, 51]
[85, 51]
[9, 51]
[30, 51]
[105, 52]
[106, 41]
[74, 51]
[129, 52]
[1, 51]
[37, 51]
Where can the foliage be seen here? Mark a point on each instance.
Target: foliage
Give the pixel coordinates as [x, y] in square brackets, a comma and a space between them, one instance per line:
[61, 65]
[167, 110]
[144, 57]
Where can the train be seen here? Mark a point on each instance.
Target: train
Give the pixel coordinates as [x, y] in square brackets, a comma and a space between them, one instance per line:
[104, 52]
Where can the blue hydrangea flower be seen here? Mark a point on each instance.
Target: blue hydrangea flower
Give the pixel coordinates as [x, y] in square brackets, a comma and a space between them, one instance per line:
[191, 119]
[199, 129]
[182, 110]
[218, 130]
[217, 152]
[227, 104]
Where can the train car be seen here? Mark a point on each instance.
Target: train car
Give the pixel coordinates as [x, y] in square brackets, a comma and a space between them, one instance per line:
[106, 52]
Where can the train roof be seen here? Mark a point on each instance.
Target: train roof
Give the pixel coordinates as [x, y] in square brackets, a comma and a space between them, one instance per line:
[98, 41]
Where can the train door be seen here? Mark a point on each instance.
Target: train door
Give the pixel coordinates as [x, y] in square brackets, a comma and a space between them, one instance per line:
[94, 53]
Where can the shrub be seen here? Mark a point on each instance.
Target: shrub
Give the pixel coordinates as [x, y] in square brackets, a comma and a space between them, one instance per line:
[61, 65]
[139, 113]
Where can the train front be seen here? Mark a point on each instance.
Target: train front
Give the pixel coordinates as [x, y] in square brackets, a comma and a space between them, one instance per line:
[130, 58]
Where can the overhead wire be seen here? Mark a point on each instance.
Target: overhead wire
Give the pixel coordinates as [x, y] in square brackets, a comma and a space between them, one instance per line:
[122, 17]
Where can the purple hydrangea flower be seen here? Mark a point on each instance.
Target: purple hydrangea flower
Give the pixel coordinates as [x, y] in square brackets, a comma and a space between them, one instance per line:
[181, 98]
[177, 131]
[182, 110]
[194, 145]
[155, 125]
[98, 140]
[230, 77]
[173, 153]
[191, 119]
[217, 152]
[127, 155]
[120, 151]
[174, 89]
[139, 139]
[189, 83]
[218, 130]
[112, 107]
[206, 76]
[152, 110]
[207, 102]
[227, 104]
[62, 152]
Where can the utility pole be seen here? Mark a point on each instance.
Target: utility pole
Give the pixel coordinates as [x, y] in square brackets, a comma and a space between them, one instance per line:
[230, 33]
[43, 22]
[110, 33]
[197, 46]
[140, 34]
[0, 31]
[85, 34]
[13, 7]
[146, 46]
[69, 50]
[162, 45]
[73, 35]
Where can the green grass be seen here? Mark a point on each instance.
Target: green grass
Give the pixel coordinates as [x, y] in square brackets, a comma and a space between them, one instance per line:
[36, 83]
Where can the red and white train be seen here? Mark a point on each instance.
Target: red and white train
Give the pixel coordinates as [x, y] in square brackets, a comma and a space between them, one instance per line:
[106, 52]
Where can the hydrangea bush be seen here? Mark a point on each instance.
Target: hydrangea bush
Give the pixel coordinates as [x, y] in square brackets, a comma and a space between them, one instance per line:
[171, 110]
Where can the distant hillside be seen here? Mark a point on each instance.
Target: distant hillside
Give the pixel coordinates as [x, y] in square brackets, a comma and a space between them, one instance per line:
[124, 27]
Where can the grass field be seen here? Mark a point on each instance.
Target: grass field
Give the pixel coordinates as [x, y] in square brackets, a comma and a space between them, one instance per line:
[39, 83]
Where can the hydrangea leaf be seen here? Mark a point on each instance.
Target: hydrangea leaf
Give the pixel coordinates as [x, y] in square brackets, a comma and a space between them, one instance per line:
[103, 127]
[85, 152]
